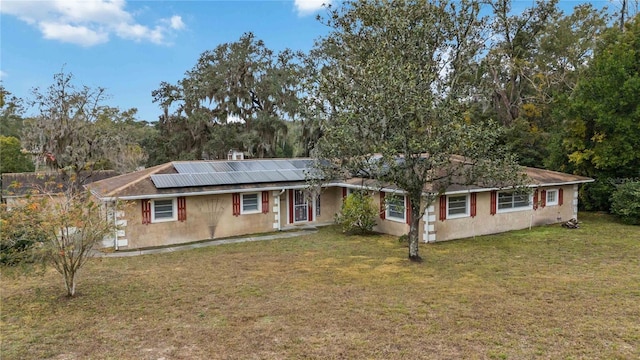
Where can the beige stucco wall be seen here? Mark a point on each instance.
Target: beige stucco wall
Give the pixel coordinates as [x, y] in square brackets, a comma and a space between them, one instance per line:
[202, 213]
[216, 210]
[330, 203]
[484, 223]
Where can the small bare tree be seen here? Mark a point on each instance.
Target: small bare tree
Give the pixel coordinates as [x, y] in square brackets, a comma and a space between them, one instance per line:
[58, 228]
[73, 223]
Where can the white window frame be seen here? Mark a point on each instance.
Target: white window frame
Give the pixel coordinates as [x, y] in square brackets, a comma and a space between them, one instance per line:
[467, 212]
[404, 208]
[174, 208]
[513, 209]
[258, 200]
[552, 203]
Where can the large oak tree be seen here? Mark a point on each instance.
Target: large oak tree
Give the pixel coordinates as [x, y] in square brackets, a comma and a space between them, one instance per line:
[241, 82]
[394, 86]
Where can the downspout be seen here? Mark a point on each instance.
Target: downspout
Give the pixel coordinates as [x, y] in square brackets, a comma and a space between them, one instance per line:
[280, 210]
[473, 219]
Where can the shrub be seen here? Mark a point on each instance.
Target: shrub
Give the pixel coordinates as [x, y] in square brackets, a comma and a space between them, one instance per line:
[20, 237]
[358, 213]
[596, 196]
[625, 202]
[404, 239]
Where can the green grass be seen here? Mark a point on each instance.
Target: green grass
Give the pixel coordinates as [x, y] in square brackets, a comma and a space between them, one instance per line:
[549, 293]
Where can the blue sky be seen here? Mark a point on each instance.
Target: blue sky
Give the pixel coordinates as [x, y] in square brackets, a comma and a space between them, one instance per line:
[129, 47]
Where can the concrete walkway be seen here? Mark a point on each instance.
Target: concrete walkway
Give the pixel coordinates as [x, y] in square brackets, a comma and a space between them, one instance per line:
[202, 244]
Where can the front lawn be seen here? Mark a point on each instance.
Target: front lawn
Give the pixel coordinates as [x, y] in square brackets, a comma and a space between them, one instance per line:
[549, 293]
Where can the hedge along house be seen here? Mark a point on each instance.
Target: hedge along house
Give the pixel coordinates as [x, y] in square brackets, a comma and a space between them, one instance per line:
[186, 201]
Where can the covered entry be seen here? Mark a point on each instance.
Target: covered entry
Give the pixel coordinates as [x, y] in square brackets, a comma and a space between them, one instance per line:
[300, 210]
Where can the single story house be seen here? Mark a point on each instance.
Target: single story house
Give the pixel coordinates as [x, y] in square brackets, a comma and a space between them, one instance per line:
[186, 201]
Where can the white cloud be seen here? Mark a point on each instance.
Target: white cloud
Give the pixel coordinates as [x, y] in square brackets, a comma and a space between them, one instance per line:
[79, 35]
[89, 22]
[3, 74]
[307, 7]
[176, 22]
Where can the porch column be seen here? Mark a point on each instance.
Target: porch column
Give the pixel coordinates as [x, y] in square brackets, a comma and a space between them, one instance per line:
[276, 209]
[429, 220]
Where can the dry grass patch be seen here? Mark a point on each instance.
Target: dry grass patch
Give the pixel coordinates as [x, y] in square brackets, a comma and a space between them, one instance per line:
[545, 293]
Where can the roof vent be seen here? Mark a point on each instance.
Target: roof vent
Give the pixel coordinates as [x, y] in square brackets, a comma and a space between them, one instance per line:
[234, 154]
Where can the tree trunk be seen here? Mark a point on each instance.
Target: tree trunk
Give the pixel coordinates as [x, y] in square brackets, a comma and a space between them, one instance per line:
[413, 230]
[70, 283]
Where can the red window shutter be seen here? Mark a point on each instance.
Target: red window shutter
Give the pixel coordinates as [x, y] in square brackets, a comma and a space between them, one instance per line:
[291, 200]
[182, 208]
[383, 207]
[560, 197]
[344, 193]
[474, 199]
[310, 210]
[494, 200]
[443, 207]
[535, 199]
[408, 210]
[146, 211]
[236, 204]
[265, 202]
[543, 199]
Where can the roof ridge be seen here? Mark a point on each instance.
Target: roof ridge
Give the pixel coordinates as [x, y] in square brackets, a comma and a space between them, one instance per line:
[554, 171]
[220, 172]
[245, 160]
[159, 168]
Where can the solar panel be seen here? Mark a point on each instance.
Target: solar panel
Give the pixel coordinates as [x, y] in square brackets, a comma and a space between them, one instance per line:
[225, 178]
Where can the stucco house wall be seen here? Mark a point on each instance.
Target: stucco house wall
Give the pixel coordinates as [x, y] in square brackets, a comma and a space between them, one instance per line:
[484, 223]
[330, 203]
[209, 215]
[203, 213]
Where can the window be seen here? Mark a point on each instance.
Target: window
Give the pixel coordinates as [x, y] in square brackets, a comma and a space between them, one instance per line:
[395, 207]
[250, 203]
[457, 206]
[163, 210]
[552, 197]
[509, 201]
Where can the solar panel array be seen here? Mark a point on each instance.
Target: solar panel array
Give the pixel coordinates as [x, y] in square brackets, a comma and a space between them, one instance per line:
[210, 173]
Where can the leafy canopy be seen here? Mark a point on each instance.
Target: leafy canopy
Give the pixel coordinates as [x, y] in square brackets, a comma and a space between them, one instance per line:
[12, 159]
[394, 88]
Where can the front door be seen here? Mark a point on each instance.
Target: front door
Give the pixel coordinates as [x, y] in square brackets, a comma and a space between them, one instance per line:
[300, 206]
